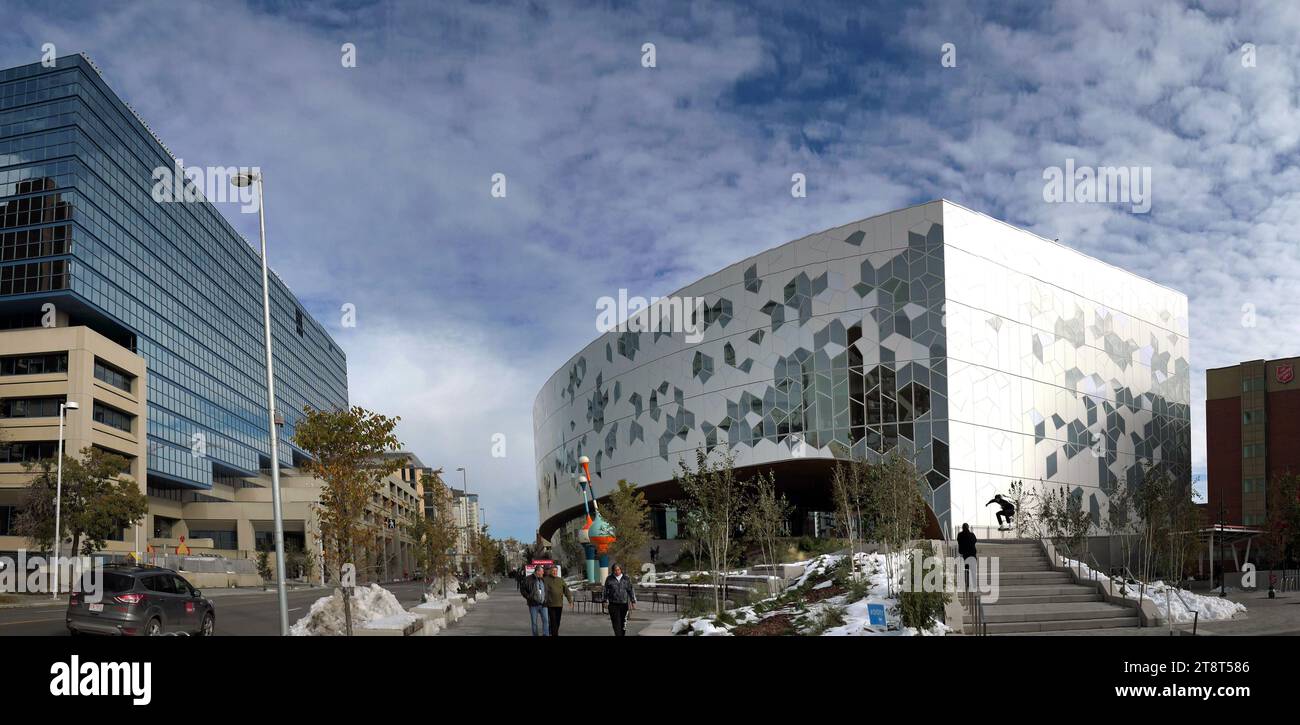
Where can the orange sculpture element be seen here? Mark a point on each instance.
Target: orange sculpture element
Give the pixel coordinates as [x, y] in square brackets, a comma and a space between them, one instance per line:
[182, 548]
[601, 533]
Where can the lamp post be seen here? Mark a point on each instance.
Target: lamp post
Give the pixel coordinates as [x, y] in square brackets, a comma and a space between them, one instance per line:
[464, 483]
[272, 420]
[58, 499]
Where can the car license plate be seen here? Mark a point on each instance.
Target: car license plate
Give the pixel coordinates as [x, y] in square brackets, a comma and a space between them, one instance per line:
[97, 607]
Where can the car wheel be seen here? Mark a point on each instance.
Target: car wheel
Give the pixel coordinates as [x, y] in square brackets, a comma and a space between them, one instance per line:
[153, 628]
[209, 623]
[73, 632]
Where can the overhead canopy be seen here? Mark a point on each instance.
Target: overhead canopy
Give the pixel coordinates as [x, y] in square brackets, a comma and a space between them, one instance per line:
[1227, 535]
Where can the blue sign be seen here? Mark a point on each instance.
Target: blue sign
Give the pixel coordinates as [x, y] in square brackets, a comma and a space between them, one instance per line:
[876, 614]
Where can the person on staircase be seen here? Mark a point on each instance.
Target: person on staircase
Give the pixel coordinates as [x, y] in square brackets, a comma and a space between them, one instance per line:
[1005, 512]
[966, 550]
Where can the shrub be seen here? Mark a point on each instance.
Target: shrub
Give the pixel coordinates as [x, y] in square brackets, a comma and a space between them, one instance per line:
[921, 609]
[820, 621]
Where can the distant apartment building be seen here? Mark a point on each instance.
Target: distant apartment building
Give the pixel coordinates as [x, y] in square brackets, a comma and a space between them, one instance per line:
[1252, 434]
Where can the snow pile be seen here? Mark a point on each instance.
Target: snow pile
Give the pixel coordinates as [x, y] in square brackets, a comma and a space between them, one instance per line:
[1181, 604]
[817, 577]
[372, 607]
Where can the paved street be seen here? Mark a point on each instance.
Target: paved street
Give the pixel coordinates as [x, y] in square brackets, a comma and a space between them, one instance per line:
[504, 615]
[239, 611]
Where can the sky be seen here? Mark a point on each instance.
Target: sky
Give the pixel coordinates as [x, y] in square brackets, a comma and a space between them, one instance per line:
[617, 175]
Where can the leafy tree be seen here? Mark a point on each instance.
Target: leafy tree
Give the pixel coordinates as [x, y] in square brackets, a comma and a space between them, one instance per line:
[437, 534]
[629, 514]
[347, 449]
[570, 551]
[718, 501]
[263, 562]
[487, 553]
[98, 501]
[298, 561]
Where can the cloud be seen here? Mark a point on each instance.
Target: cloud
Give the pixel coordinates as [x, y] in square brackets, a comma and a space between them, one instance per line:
[378, 177]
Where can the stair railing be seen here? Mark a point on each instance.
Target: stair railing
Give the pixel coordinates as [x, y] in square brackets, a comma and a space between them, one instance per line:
[1196, 613]
[971, 599]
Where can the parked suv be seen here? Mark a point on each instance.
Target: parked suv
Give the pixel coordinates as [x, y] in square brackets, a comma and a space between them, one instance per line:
[142, 600]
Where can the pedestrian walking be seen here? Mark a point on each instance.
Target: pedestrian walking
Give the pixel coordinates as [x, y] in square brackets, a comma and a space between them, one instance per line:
[533, 589]
[556, 592]
[619, 597]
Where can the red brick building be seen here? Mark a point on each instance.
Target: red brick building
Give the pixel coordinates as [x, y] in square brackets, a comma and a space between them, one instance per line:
[1252, 433]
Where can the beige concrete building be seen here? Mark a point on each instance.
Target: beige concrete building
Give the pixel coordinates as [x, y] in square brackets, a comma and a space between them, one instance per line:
[41, 368]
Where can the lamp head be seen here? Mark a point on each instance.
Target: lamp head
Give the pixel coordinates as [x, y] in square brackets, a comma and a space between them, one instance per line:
[244, 179]
[72, 405]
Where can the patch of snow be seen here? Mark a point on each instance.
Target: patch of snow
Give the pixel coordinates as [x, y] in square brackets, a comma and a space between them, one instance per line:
[866, 567]
[1179, 604]
[369, 604]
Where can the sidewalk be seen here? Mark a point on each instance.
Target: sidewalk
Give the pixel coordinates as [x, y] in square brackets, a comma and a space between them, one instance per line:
[503, 614]
[1280, 616]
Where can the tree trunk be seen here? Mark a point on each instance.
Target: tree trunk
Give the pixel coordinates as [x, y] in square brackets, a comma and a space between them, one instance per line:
[347, 610]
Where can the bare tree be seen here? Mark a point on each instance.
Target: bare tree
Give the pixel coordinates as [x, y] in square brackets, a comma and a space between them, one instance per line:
[718, 500]
[766, 521]
[850, 486]
[895, 496]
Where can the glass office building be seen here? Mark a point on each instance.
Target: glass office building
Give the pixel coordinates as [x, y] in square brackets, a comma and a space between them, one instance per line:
[173, 282]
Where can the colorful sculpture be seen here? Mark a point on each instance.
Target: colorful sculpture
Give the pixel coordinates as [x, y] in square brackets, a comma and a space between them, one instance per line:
[598, 534]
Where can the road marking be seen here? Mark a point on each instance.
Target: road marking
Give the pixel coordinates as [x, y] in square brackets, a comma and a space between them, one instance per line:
[31, 621]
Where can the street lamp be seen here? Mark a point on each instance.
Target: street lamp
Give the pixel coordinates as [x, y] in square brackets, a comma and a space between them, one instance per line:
[272, 420]
[464, 483]
[58, 497]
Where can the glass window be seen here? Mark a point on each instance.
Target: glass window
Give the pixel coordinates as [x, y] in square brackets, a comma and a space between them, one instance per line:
[31, 407]
[112, 376]
[112, 417]
[56, 362]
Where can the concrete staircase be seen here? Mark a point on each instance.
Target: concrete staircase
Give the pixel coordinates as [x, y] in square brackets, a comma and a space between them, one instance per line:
[1034, 599]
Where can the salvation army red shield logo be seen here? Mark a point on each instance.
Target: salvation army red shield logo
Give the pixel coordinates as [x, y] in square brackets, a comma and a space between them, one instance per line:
[1285, 373]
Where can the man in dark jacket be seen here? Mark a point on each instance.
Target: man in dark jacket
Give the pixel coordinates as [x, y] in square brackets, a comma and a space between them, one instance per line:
[556, 592]
[966, 549]
[533, 589]
[619, 595]
[1006, 510]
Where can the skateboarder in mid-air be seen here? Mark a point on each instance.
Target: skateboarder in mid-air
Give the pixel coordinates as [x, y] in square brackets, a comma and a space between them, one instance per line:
[1005, 513]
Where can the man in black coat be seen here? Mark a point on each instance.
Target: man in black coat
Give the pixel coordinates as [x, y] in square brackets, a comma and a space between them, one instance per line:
[966, 549]
[619, 595]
